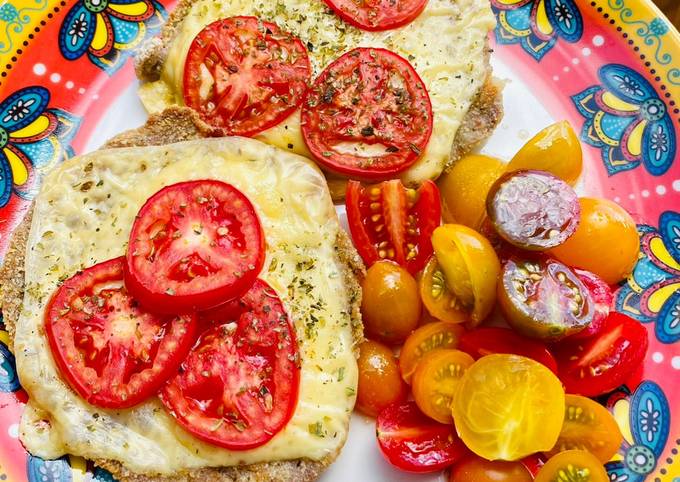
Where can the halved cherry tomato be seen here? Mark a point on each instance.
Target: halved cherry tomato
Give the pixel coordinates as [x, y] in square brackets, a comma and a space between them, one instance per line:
[389, 221]
[413, 442]
[576, 465]
[606, 241]
[380, 383]
[544, 299]
[438, 300]
[533, 210]
[377, 14]
[470, 266]
[244, 75]
[239, 385]
[602, 297]
[603, 362]
[425, 339]
[436, 380]
[477, 469]
[555, 149]
[194, 245]
[486, 341]
[368, 115]
[390, 304]
[111, 351]
[588, 426]
[507, 407]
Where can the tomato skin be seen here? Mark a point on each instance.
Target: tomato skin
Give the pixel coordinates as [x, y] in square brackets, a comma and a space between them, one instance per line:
[413, 442]
[113, 353]
[600, 364]
[385, 16]
[477, 469]
[426, 338]
[603, 299]
[380, 383]
[485, 341]
[439, 302]
[574, 464]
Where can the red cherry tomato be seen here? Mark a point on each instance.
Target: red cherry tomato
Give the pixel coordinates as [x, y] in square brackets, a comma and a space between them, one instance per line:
[193, 246]
[412, 441]
[377, 14]
[368, 115]
[603, 362]
[244, 75]
[389, 221]
[602, 297]
[112, 352]
[485, 341]
[239, 385]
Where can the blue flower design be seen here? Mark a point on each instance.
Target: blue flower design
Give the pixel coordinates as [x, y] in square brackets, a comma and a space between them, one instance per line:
[8, 12]
[628, 121]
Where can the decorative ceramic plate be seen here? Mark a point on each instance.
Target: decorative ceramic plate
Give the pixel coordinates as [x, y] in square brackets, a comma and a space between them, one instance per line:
[611, 67]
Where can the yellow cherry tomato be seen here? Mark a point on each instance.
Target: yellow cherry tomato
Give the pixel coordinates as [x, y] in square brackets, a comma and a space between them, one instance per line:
[471, 267]
[606, 241]
[508, 407]
[464, 188]
[379, 382]
[576, 465]
[439, 302]
[435, 381]
[428, 337]
[555, 149]
[476, 469]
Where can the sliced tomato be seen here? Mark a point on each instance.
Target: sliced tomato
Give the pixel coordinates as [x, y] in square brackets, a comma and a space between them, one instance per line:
[239, 385]
[193, 246]
[414, 442]
[486, 341]
[603, 362]
[368, 115]
[602, 297]
[389, 221]
[244, 75]
[377, 14]
[111, 351]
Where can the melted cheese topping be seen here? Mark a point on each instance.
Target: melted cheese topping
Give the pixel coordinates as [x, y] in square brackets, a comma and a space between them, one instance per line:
[83, 216]
[446, 44]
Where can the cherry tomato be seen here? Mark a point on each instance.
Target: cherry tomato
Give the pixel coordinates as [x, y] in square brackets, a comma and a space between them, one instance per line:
[239, 385]
[111, 351]
[465, 186]
[368, 115]
[606, 242]
[425, 339]
[380, 383]
[470, 266]
[603, 362]
[533, 210]
[544, 299]
[413, 442]
[577, 465]
[588, 426]
[377, 15]
[389, 221]
[244, 75]
[486, 341]
[555, 149]
[193, 246]
[390, 305]
[602, 297]
[438, 300]
[436, 380]
[476, 469]
[508, 407]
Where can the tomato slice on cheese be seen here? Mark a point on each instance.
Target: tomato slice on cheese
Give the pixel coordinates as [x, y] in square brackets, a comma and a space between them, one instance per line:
[377, 14]
[368, 115]
[239, 385]
[245, 75]
[194, 245]
[111, 351]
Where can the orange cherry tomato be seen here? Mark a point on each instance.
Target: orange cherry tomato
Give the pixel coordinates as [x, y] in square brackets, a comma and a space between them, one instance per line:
[555, 149]
[439, 302]
[380, 383]
[425, 339]
[477, 469]
[576, 465]
[606, 241]
[435, 382]
[390, 305]
[588, 426]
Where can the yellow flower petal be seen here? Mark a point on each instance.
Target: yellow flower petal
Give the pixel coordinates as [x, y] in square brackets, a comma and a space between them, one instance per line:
[621, 413]
[139, 8]
[542, 21]
[656, 301]
[36, 127]
[615, 103]
[634, 144]
[19, 170]
[101, 34]
[659, 249]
